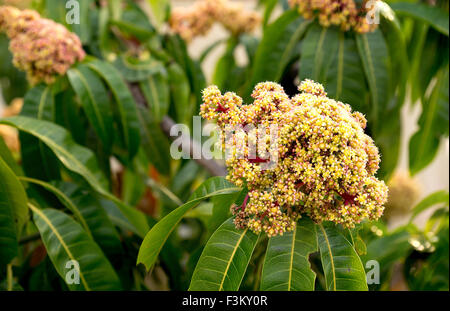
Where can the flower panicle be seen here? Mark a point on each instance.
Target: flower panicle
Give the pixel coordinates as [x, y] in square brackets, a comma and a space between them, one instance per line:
[346, 14]
[199, 19]
[40, 47]
[325, 166]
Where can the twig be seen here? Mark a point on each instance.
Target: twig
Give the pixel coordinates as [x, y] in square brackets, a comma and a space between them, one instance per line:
[30, 238]
[167, 123]
[9, 277]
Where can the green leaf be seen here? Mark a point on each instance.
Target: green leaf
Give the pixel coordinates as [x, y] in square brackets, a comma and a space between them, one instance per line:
[342, 266]
[224, 260]
[63, 198]
[345, 80]
[319, 44]
[95, 101]
[154, 142]
[77, 159]
[276, 48]
[286, 265]
[7, 156]
[160, 9]
[87, 210]
[399, 64]
[416, 51]
[436, 17]
[158, 235]
[209, 49]
[388, 249]
[129, 121]
[225, 64]
[96, 218]
[433, 124]
[269, 7]
[135, 70]
[38, 161]
[84, 27]
[65, 240]
[70, 115]
[434, 57]
[375, 59]
[13, 213]
[387, 133]
[134, 22]
[156, 92]
[56, 10]
[121, 218]
[352, 235]
[221, 210]
[180, 91]
[431, 200]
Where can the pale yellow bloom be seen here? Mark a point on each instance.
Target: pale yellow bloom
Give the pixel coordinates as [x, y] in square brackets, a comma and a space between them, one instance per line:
[326, 163]
[42, 48]
[198, 19]
[345, 14]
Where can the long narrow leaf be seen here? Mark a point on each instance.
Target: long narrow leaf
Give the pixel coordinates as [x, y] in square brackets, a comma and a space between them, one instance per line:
[341, 264]
[436, 17]
[129, 122]
[158, 235]
[67, 245]
[374, 55]
[224, 259]
[94, 98]
[286, 265]
[77, 159]
[13, 213]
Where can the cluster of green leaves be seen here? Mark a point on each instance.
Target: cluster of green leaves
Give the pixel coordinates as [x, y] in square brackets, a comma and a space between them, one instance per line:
[65, 196]
[224, 260]
[426, 32]
[371, 71]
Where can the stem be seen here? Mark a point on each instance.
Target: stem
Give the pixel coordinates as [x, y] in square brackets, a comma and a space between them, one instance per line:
[244, 205]
[9, 277]
[166, 124]
[30, 238]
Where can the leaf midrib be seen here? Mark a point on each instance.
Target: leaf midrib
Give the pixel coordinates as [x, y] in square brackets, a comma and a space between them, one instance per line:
[61, 240]
[292, 256]
[62, 196]
[231, 259]
[371, 73]
[195, 202]
[91, 96]
[118, 98]
[331, 255]
[319, 55]
[431, 109]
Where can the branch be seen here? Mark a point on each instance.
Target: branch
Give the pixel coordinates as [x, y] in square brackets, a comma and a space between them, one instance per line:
[166, 124]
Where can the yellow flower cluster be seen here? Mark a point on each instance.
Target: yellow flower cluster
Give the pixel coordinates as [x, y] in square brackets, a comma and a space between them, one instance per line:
[343, 13]
[198, 19]
[403, 193]
[325, 163]
[41, 47]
